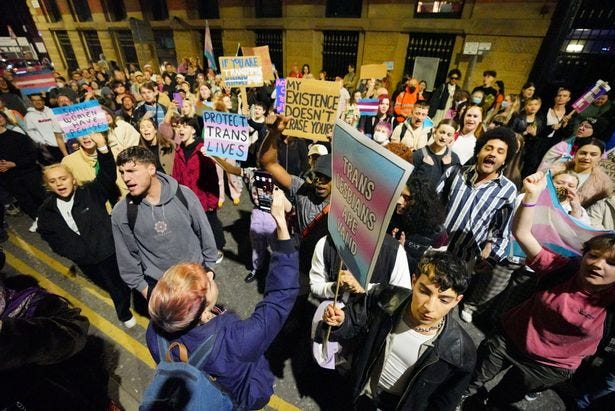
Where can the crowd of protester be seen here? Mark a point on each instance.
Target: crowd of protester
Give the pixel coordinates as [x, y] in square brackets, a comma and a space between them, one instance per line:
[135, 207]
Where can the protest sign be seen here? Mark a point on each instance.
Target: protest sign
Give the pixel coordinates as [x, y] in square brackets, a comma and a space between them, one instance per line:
[81, 119]
[263, 53]
[367, 182]
[600, 89]
[242, 71]
[312, 104]
[280, 95]
[376, 71]
[225, 135]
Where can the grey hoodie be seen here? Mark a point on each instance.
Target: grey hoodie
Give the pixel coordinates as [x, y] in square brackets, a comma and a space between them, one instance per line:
[165, 234]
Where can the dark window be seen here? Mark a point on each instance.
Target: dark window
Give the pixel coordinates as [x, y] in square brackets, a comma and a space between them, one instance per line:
[216, 41]
[155, 9]
[115, 9]
[51, 10]
[430, 45]
[92, 43]
[81, 10]
[344, 8]
[127, 47]
[165, 46]
[443, 9]
[268, 8]
[339, 50]
[273, 39]
[67, 50]
[208, 9]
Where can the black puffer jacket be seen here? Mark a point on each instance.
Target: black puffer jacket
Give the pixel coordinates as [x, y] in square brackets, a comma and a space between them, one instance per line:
[442, 372]
[94, 242]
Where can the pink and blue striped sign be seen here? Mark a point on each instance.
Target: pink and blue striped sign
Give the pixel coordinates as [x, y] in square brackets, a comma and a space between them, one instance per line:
[225, 135]
[78, 120]
[367, 182]
[31, 83]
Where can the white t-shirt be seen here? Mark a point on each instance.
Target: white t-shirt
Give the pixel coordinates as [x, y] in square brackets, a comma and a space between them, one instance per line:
[66, 208]
[464, 147]
[405, 345]
[42, 126]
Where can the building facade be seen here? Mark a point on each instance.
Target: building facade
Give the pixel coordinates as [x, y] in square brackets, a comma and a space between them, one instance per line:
[323, 34]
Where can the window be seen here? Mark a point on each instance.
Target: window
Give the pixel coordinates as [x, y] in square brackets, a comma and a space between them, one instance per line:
[208, 9]
[268, 8]
[115, 9]
[66, 47]
[430, 45]
[92, 44]
[126, 45]
[590, 41]
[344, 8]
[165, 46]
[80, 10]
[52, 12]
[443, 9]
[273, 39]
[339, 50]
[155, 9]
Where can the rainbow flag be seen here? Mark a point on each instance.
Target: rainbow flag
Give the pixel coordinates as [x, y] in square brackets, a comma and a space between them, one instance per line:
[368, 106]
[555, 229]
[30, 83]
[208, 49]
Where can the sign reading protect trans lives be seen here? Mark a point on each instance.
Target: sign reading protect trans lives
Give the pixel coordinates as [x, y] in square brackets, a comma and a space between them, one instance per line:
[225, 135]
[367, 182]
[244, 71]
[81, 119]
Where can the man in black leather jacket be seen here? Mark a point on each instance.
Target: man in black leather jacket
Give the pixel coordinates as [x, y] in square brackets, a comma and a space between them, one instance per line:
[413, 355]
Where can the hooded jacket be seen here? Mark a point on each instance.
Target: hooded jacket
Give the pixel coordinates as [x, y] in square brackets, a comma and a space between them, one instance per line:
[237, 359]
[443, 370]
[198, 173]
[164, 234]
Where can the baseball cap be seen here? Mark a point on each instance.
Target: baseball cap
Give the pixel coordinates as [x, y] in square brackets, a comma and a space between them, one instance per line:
[323, 165]
[318, 149]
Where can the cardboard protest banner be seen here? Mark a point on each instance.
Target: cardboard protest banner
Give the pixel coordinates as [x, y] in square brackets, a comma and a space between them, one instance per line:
[312, 104]
[225, 135]
[376, 71]
[81, 119]
[263, 53]
[367, 182]
[280, 95]
[244, 71]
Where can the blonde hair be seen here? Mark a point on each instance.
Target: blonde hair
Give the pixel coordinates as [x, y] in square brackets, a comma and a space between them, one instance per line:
[53, 167]
[179, 297]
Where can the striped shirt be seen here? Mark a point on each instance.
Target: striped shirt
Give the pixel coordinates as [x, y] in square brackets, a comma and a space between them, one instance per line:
[477, 213]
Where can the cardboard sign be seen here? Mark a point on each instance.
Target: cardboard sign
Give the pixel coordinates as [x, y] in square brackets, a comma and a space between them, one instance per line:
[81, 119]
[280, 95]
[263, 53]
[225, 135]
[312, 104]
[242, 71]
[367, 182]
[376, 71]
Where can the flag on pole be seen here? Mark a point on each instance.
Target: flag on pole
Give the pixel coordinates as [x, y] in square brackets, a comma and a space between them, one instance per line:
[368, 106]
[208, 49]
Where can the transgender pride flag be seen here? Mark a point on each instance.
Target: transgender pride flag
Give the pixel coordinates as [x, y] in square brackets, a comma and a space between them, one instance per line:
[208, 48]
[367, 106]
[555, 229]
[31, 83]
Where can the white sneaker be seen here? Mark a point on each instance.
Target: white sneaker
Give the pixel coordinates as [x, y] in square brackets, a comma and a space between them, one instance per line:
[532, 396]
[130, 323]
[466, 316]
[220, 257]
[34, 226]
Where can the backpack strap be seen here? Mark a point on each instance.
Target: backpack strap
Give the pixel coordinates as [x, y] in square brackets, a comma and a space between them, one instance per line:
[196, 358]
[132, 207]
[323, 213]
[183, 352]
[404, 128]
[200, 354]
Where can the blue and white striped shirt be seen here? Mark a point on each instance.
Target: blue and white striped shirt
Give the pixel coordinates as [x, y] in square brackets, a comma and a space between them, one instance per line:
[477, 213]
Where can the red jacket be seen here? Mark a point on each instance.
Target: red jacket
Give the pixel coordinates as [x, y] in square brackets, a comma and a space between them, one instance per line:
[198, 173]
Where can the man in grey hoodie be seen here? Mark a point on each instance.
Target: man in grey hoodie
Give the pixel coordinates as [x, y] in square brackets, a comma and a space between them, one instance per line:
[167, 228]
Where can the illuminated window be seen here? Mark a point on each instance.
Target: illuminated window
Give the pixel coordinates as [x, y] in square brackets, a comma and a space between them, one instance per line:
[439, 9]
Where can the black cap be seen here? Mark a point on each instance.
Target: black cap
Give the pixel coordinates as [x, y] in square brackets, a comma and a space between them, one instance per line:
[323, 165]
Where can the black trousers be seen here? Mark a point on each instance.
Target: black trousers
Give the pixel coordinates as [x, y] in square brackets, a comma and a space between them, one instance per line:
[27, 188]
[106, 275]
[216, 228]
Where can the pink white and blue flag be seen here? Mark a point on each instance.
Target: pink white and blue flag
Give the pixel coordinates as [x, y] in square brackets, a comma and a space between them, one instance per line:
[368, 106]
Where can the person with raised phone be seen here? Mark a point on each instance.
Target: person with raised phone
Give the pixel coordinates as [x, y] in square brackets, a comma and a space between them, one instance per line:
[412, 354]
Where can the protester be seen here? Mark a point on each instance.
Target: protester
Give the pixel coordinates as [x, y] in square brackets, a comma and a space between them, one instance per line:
[433, 160]
[44, 130]
[412, 132]
[471, 130]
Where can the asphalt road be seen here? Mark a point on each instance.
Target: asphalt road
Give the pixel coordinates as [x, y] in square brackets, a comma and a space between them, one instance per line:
[299, 385]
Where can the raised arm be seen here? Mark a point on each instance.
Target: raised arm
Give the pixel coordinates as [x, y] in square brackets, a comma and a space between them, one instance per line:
[228, 167]
[268, 155]
[524, 217]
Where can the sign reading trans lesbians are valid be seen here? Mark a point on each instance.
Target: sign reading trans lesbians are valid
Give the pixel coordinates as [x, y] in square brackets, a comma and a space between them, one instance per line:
[225, 135]
[367, 182]
[78, 120]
